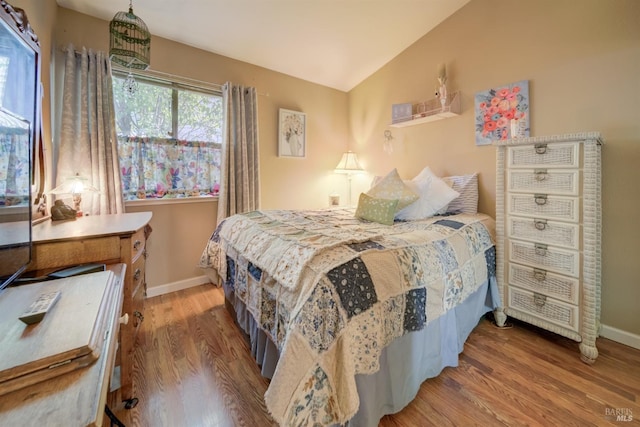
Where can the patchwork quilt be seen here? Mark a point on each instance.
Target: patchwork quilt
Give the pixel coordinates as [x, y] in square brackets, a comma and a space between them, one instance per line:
[332, 291]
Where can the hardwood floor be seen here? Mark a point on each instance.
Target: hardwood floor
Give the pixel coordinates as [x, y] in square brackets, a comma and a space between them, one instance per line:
[193, 368]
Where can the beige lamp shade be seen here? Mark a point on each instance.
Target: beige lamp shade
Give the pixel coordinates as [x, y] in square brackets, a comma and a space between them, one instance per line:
[74, 185]
[349, 163]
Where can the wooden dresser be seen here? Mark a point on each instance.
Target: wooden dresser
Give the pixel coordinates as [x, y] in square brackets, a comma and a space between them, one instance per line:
[79, 332]
[548, 226]
[107, 239]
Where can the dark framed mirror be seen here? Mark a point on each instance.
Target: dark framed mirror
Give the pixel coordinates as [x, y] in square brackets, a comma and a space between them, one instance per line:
[21, 173]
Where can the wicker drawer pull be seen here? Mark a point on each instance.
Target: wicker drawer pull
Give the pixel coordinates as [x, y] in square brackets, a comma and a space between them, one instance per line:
[539, 275]
[541, 148]
[541, 249]
[540, 199]
[539, 299]
[540, 224]
[540, 174]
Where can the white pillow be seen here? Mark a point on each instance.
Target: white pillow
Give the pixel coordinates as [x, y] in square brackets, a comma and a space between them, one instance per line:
[392, 187]
[467, 186]
[435, 194]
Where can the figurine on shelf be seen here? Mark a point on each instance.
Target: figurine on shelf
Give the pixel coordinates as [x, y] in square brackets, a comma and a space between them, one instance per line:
[441, 93]
[60, 211]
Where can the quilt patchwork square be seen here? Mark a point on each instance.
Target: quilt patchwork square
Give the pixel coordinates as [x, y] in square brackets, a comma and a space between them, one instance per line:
[320, 319]
[490, 256]
[363, 246]
[449, 223]
[415, 312]
[354, 285]
[268, 313]
[231, 273]
[254, 271]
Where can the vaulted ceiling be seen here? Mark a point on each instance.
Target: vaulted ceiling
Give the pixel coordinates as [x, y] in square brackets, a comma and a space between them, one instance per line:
[335, 43]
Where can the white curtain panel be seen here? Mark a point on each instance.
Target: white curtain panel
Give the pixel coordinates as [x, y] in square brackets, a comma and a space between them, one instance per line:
[88, 143]
[239, 171]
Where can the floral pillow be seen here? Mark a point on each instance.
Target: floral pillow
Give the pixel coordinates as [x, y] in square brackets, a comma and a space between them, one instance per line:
[435, 195]
[393, 187]
[377, 210]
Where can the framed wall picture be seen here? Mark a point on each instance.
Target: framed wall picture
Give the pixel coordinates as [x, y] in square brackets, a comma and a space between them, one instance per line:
[502, 113]
[292, 135]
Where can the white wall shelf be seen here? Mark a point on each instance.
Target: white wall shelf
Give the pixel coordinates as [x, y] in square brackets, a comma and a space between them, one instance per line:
[432, 110]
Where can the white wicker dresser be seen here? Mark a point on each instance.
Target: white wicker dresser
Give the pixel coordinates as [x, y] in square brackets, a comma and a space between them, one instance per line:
[548, 224]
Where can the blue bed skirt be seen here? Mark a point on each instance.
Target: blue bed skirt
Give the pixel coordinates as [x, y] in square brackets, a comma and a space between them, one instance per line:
[404, 364]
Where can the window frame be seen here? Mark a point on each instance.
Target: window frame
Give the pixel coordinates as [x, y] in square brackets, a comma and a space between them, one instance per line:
[175, 83]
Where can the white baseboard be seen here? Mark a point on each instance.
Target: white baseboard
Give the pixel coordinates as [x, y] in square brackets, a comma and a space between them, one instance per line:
[177, 286]
[618, 335]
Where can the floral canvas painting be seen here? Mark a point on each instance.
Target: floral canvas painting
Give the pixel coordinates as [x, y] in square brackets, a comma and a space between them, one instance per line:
[291, 134]
[502, 113]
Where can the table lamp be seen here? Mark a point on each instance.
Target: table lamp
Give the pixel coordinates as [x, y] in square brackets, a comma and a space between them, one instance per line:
[349, 165]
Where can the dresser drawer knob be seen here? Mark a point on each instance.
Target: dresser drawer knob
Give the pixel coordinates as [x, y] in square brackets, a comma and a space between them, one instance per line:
[540, 224]
[539, 275]
[540, 199]
[124, 320]
[136, 274]
[541, 249]
[139, 316]
[539, 299]
[540, 174]
[541, 148]
[136, 245]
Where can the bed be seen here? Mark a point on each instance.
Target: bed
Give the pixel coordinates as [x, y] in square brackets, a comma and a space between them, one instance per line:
[347, 316]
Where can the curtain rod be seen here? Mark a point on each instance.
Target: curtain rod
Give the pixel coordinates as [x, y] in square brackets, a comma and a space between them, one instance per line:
[169, 76]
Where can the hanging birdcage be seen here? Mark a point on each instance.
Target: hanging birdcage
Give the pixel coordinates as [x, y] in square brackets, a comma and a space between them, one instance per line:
[130, 41]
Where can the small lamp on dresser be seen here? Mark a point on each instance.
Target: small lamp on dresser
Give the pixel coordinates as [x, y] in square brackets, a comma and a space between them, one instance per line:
[74, 186]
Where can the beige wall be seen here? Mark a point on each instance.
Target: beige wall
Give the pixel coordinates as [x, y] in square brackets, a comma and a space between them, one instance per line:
[583, 66]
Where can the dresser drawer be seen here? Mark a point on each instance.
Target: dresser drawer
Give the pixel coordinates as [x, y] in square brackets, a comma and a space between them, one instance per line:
[540, 230]
[544, 156]
[547, 309]
[554, 181]
[544, 282]
[549, 258]
[544, 206]
[65, 253]
[138, 242]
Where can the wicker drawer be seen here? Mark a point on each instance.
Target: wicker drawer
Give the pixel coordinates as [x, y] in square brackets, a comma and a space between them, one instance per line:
[547, 309]
[545, 181]
[544, 206]
[540, 230]
[548, 258]
[544, 156]
[544, 282]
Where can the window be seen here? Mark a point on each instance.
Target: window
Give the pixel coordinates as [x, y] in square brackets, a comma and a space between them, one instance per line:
[169, 138]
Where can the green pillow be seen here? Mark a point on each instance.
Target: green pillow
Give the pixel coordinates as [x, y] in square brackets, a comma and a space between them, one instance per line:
[377, 210]
[393, 187]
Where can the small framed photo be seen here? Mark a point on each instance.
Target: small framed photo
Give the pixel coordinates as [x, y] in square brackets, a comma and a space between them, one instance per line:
[292, 134]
